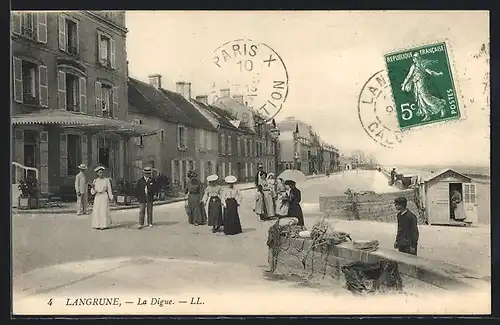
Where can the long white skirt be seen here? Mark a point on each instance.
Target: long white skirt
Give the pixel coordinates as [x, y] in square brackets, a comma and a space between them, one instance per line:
[460, 212]
[100, 211]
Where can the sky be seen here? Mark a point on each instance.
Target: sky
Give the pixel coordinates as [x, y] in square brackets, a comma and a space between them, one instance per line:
[329, 56]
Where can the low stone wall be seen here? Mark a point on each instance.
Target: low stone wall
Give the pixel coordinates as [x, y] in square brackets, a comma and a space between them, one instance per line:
[370, 206]
[327, 264]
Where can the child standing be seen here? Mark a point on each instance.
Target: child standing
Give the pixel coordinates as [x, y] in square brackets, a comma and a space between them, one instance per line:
[259, 203]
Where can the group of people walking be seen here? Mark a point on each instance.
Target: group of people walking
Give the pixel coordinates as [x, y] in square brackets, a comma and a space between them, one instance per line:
[215, 205]
[276, 198]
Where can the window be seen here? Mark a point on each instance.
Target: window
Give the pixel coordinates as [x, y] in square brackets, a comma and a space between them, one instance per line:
[223, 144]
[106, 51]
[229, 145]
[74, 153]
[72, 93]
[181, 137]
[251, 148]
[138, 141]
[202, 140]
[30, 83]
[28, 25]
[106, 97]
[68, 34]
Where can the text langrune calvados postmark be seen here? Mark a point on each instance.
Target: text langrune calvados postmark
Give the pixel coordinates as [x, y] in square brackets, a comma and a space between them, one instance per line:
[422, 85]
[377, 113]
[255, 71]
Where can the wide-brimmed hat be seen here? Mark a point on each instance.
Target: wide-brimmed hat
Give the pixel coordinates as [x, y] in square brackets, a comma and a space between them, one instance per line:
[98, 168]
[290, 182]
[230, 179]
[147, 170]
[212, 178]
[82, 166]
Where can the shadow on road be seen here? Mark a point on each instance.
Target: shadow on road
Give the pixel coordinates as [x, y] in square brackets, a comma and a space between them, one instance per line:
[133, 224]
[248, 229]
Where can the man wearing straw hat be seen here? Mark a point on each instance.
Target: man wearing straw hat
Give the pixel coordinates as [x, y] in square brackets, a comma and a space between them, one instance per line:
[81, 189]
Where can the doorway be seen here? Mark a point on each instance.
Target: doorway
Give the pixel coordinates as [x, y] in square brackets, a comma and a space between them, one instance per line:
[104, 157]
[454, 188]
[30, 152]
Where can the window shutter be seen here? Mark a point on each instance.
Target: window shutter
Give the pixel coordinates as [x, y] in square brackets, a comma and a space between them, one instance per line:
[61, 87]
[112, 53]
[202, 140]
[229, 145]
[209, 140]
[83, 95]
[62, 33]
[84, 145]
[230, 171]
[43, 85]
[98, 98]
[77, 37]
[99, 47]
[41, 34]
[16, 22]
[63, 155]
[115, 102]
[18, 79]
[44, 162]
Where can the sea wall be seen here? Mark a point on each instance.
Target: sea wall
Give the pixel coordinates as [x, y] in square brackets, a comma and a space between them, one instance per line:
[369, 206]
[326, 263]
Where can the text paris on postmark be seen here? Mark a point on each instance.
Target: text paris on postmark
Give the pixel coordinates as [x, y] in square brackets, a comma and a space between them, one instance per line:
[422, 85]
[377, 113]
[253, 70]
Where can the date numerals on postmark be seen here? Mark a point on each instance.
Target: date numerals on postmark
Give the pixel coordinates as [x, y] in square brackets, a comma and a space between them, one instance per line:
[422, 85]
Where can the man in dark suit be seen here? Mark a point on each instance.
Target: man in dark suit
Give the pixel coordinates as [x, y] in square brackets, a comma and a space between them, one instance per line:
[145, 189]
[407, 235]
[393, 176]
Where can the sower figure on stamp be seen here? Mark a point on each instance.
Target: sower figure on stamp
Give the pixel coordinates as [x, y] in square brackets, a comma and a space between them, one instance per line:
[145, 189]
[81, 188]
[407, 235]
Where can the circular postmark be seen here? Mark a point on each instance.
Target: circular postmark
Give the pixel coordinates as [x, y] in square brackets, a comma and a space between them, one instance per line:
[377, 112]
[253, 71]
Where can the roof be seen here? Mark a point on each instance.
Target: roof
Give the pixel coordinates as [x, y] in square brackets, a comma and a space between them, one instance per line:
[430, 176]
[68, 119]
[188, 109]
[169, 106]
[239, 111]
[223, 117]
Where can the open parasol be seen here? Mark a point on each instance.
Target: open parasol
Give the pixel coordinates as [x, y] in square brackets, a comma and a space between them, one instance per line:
[293, 175]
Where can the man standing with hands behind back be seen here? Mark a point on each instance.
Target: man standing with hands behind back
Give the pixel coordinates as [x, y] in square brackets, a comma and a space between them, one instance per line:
[407, 236]
[145, 190]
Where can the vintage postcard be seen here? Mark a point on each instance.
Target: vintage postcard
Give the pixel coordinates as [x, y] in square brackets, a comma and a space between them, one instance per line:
[250, 163]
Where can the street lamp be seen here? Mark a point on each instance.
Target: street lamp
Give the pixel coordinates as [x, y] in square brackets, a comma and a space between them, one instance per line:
[275, 133]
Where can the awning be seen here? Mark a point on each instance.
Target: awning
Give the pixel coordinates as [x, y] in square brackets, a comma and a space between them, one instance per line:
[69, 119]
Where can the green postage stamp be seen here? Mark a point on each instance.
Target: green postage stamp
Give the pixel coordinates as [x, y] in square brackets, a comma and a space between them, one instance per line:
[422, 85]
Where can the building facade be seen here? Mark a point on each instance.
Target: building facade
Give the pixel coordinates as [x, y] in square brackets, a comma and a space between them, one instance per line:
[258, 140]
[186, 139]
[301, 148]
[69, 95]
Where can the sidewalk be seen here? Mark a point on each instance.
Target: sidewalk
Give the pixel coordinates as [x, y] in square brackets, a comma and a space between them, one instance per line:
[67, 208]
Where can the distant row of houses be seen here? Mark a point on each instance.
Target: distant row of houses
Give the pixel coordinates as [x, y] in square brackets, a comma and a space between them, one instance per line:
[73, 102]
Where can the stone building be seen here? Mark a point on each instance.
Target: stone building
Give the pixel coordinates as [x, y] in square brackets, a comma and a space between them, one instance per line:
[69, 95]
[186, 139]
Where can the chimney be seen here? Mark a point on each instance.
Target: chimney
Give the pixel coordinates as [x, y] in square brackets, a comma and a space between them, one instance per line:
[187, 90]
[203, 99]
[179, 87]
[239, 99]
[225, 92]
[183, 88]
[155, 80]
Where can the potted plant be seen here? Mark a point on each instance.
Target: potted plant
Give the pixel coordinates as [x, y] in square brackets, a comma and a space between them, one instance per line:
[125, 192]
[29, 194]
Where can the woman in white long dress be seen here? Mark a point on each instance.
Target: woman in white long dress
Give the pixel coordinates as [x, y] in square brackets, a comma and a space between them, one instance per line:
[101, 189]
[458, 206]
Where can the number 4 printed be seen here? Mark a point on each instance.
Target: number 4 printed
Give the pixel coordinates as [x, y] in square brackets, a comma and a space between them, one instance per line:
[49, 302]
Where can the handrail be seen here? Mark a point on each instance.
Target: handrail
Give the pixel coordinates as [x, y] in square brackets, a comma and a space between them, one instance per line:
[26, 168]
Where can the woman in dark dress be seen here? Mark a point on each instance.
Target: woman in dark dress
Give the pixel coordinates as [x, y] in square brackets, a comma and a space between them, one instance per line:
[196, 215]
[231, 201]
[294, 209]
[212, 197]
